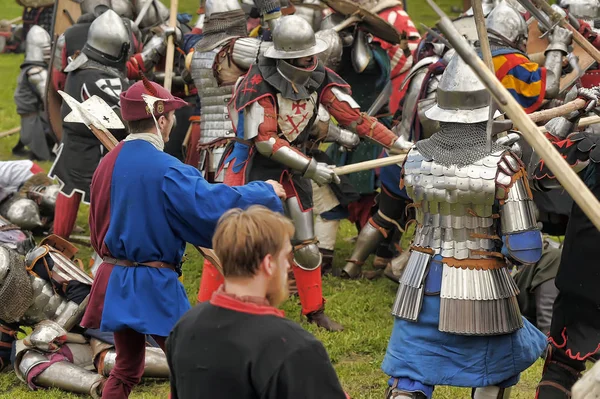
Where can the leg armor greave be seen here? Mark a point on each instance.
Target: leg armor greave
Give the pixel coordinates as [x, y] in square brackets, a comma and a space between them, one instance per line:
[62, 375]
[369, 238]
[326, 232]
[306, 252]
[491, 392]
[155, 363]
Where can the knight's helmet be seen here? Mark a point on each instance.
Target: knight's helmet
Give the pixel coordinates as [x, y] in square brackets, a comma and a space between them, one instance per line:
[108, 40]
[95, 7]
[157, 14]
[582, 9]
[294, 38]
[124, 8]
[506, 25]
[22, 212]
[332, 57]
[461, 97]
[37, 45]
[45, 196]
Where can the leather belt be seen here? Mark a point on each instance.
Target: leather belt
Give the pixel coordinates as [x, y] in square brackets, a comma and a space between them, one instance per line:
[128, 263]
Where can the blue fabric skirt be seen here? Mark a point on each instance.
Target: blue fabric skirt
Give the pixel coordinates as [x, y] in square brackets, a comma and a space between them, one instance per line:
[146, 299]
[421, 353]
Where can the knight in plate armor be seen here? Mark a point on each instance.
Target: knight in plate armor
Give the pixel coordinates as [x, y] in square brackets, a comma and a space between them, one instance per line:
[48, 291]
[29, 96]
[27, 195]
[99, 70]
[419, 90]
[456, 299]
[367, 67]
[575, 329]
[273, 109]
[528, 82]
[220, 58]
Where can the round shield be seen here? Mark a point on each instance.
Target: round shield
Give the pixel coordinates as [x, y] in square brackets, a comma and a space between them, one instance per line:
[370, 21]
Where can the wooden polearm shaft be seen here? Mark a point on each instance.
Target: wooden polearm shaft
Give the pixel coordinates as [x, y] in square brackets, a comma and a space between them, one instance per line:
[565, 109]
[566, 176]
[368, 165]
[486, 52]
[170, 59]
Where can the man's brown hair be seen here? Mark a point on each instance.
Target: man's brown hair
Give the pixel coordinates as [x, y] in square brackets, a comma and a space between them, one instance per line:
[243, 238]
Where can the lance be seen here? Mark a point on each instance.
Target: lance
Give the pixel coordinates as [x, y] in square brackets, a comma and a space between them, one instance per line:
[566, 176]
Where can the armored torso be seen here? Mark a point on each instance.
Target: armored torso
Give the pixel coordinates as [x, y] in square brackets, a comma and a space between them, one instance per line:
[458, 218]
[215, 122]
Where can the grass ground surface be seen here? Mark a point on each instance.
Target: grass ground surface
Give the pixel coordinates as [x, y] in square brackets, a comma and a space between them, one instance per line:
[363, 307]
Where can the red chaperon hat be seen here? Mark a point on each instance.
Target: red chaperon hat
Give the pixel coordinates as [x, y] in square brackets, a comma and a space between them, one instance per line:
[135, 101]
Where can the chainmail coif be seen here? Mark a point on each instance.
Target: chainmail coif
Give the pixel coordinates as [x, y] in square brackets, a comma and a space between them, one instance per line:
[458, 144]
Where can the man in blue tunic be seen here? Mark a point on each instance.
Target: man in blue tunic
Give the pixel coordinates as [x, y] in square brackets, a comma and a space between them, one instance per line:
[145, 206]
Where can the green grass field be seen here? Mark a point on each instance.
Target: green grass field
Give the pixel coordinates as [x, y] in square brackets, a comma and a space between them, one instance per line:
[363, 307]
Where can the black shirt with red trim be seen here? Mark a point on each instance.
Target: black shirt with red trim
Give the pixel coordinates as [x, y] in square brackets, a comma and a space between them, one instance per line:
[230, 348]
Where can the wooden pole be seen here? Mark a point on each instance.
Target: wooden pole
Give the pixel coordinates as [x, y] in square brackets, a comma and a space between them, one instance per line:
[171, 46]
[486, 52]
[8, 132]
[565, 109]
[565, 175]
[577, 37]
[368, 165]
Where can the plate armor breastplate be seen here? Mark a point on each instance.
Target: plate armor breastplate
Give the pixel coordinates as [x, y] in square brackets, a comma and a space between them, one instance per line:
[457, 219]
[215, 122]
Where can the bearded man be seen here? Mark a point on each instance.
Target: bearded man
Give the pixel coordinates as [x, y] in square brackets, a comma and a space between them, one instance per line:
[273, 357]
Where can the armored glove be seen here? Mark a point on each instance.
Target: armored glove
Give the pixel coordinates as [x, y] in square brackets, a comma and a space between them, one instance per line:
[591, 96]
[47, 336]
[321, 173]
[588, 387]
[347, 139]
[167, 31]
[511, 140]
[560, 39]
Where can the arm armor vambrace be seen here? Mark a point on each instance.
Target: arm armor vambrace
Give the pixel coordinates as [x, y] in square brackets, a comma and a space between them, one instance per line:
[72, 314]
[341, 136]
[517, 213]
[284, 155]
[38, 77]
[152, 52]
[553, 66]
[246, 51]
[325, 130]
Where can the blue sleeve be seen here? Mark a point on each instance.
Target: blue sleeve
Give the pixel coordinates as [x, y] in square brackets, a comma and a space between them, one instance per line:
[194, 206]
